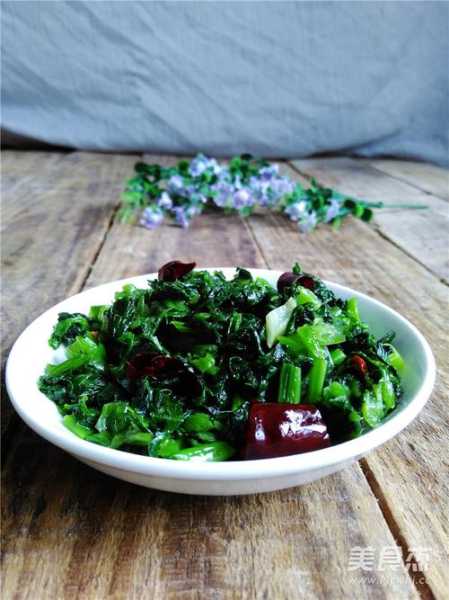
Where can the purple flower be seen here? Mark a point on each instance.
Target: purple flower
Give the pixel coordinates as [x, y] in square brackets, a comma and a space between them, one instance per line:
[297, 211]
[223, 175]
[267, 173]
[175, 184]
[223, 192]
[307, 223]
[242, 198]
[198, 165]
[212, 164]
[282, 186]
[194, 195]
[151, 217]
[181, 216]
[333, 210]
[260, 190]
[268, 191]
[187, 191]
[165, 201]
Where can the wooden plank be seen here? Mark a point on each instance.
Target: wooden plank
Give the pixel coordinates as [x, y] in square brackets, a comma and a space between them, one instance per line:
[53, 223]
[424, 176]
[410, 470]
[421, 233]
[27, 168]
[105, 538]
[203, 243]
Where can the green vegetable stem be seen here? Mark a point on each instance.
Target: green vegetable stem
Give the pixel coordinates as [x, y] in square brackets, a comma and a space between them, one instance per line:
[316, 379]
[289, 384]
[215, 451]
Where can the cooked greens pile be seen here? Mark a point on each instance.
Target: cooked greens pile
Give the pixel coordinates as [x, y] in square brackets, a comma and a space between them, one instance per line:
[171, 370]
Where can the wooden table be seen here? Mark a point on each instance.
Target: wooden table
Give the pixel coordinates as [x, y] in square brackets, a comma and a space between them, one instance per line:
[70, 532]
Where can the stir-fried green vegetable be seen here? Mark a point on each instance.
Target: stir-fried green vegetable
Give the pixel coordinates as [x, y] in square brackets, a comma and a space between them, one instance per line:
[172, 370]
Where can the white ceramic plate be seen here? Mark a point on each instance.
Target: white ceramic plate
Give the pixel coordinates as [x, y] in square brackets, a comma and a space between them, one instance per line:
[31, 354]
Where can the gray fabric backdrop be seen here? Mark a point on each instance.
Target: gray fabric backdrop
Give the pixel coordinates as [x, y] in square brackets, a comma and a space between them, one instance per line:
[272, 78]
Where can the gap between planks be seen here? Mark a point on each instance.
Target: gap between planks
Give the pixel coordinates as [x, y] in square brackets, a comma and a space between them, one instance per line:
[377, 228]
[111, 222]
[395, 169]
[411, 564]
[385, 237]
[100, 247]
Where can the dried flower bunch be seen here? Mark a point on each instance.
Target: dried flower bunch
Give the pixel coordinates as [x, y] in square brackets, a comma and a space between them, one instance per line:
[244, 183]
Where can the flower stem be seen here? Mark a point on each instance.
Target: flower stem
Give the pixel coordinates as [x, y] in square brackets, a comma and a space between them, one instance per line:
[387, 205]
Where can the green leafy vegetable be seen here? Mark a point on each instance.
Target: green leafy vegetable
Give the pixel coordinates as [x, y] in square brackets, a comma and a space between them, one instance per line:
[69, 326]
[171, 370]
[81, 352]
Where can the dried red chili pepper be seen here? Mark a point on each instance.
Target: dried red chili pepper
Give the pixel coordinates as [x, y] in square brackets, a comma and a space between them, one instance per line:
[282, 429]
[359, 365]
[182, 378]
[174, 270]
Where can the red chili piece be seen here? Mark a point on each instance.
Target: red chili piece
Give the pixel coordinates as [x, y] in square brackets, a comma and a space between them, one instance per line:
[183, 379]
[281, 429]
[359, 365]
[174, 270]
[307, 282]
[154, 365]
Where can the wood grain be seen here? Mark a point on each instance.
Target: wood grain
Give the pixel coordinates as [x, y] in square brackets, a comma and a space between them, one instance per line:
[70, 532]
[412, 469]
[27, 168]
[52, 231]
[426, 177]
[422, 234]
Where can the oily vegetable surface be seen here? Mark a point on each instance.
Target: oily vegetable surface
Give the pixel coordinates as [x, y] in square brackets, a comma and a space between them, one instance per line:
[172, 370]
